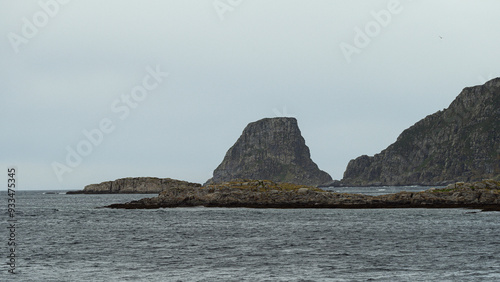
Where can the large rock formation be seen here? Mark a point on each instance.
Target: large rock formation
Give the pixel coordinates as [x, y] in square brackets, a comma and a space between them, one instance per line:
[137, 185]
[272, 149]
[460, 143]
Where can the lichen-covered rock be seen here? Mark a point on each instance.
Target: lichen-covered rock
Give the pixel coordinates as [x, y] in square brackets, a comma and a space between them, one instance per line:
[460, 143]
[274, 149]
[137, 185]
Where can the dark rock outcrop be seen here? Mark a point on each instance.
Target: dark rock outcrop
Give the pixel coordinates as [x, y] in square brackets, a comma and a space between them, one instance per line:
[267, 194]
[137, 185]
[274, 149]
[460, 143]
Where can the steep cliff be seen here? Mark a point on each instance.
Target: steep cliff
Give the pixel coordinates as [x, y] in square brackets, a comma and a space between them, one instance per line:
[137, 185]
[271, 149]
[460, 143]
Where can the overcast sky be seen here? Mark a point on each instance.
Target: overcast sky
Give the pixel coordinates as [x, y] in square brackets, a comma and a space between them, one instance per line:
[99, 90]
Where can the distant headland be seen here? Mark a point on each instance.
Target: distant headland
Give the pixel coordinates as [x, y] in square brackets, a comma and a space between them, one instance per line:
[460, 143]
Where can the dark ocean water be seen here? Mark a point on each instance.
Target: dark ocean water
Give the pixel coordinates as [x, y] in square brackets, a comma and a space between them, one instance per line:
[65, 238]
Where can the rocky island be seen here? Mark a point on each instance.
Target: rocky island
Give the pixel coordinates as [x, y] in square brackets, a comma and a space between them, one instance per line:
[483, 195]
[460, 143]
[135, 185]
[273, 149]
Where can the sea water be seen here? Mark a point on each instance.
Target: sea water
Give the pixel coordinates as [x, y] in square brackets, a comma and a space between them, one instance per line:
[67, 238]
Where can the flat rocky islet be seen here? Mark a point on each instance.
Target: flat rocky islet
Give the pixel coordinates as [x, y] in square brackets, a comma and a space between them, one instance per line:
[483, 195]
[134, 185]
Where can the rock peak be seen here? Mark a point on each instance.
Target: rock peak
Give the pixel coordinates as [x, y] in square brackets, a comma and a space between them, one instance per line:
[271, 149]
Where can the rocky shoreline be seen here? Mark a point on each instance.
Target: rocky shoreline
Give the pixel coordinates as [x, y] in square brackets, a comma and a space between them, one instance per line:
[339, 183]
[483, 195]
